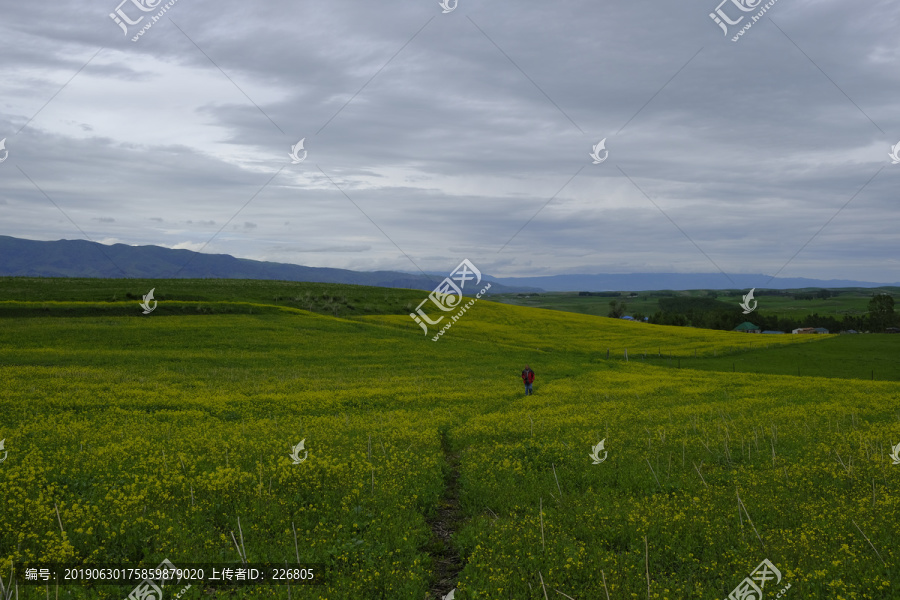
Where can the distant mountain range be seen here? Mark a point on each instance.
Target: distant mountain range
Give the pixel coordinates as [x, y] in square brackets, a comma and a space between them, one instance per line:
[80, 258]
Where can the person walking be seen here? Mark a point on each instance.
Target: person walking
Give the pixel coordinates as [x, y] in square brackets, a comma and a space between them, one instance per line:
[528, 378]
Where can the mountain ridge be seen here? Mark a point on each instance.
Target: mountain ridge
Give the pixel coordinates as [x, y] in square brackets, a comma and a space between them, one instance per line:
[82, 258]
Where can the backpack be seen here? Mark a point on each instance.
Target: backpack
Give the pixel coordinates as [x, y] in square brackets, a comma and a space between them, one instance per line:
[529, 376]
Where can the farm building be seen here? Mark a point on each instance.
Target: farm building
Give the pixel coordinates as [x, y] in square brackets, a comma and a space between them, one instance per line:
[771, 331]
[747, 327]
[804, 330]
[820, 330]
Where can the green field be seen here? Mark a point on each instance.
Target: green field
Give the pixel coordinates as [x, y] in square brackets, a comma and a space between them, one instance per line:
[137, 438]
[36, 296]
[847, 301]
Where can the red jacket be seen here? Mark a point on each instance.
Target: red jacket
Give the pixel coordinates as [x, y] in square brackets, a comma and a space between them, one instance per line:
[528, 376]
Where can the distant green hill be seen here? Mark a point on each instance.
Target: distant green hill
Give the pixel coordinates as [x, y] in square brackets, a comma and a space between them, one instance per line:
[783, 310]
[70, 297]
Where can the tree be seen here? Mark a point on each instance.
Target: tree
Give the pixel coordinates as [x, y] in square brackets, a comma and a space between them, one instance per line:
[668, 318]
[881, 311]
[616, 309]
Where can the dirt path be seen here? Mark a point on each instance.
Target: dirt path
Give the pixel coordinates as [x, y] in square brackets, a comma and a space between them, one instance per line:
[447, 563]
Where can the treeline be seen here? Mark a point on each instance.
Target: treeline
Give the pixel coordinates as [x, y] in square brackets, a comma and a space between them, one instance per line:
[729, 320]
[709, 313]
[704, 312]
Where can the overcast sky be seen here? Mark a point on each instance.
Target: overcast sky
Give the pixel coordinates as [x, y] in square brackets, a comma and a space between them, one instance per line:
[432, 137]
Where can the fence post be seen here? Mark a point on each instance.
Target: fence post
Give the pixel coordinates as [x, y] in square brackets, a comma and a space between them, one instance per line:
[626, 354]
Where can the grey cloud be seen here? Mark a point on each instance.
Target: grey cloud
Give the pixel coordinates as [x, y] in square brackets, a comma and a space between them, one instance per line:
[450, 148]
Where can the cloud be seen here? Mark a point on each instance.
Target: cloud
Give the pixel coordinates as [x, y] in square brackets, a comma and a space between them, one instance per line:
[468, 139]
[326, 249]
[196, 247]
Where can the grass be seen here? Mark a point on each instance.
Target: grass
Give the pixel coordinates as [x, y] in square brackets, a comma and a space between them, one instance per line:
[848, 301]
[119, 297]
[860, 357]
[152, 435]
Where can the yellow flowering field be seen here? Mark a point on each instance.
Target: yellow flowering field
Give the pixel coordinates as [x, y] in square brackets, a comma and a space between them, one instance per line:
[715, 472]
[550, 330]
[137, 439]
[152, 437]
